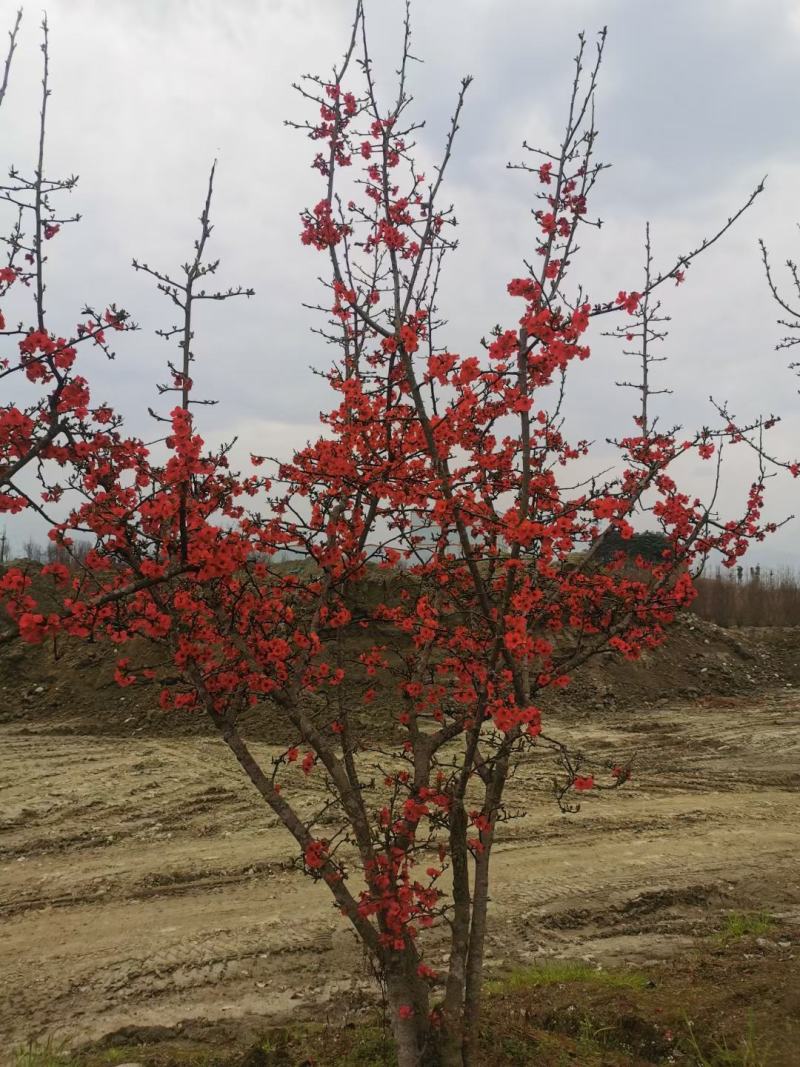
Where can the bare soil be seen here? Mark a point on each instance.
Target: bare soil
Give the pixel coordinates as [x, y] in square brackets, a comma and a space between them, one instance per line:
[71, 687]
[143, 885]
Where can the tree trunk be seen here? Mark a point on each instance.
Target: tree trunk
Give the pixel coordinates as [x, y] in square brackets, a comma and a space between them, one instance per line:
[410, 1031]
[477, 938]
[451, 1049]
[452, 1035]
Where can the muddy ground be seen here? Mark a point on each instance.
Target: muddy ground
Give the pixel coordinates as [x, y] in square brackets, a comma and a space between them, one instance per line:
[143, 885]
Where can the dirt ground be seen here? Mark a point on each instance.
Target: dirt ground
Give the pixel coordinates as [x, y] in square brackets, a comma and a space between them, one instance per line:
[72, 685]
[143, 885]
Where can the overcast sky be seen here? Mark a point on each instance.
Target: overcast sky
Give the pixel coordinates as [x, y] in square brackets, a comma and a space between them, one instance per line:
[698, 99]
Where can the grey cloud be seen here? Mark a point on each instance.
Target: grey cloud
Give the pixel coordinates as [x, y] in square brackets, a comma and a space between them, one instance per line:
[693, 107]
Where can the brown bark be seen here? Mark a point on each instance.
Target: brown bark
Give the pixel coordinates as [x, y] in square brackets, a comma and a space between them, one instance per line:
[453, 1007]
[410, 1031]
[477, 939]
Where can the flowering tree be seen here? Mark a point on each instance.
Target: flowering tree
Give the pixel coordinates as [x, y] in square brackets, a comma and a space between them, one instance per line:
[447, 533]
[52, 415]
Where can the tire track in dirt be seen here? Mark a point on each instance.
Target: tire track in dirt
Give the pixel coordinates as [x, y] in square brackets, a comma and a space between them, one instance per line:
[143, 883]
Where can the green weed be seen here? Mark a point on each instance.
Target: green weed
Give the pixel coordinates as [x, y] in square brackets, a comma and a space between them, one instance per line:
[745, 924]
[592, 1038]
[48, 1053]
[752, 1051]
[556, 972]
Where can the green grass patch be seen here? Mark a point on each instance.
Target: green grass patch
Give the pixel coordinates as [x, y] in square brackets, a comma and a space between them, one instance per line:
[563, 972]
[120, 1054]
[745, 924]
[48, 1053]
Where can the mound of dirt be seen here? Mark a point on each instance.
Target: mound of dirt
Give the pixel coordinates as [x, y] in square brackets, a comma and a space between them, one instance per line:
[699, 662]
[70, 688]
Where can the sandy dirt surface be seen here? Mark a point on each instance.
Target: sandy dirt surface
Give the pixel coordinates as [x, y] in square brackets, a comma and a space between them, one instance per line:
[143, 885]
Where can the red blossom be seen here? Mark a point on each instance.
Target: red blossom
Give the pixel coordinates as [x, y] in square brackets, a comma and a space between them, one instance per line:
[432, 554]
[628, 301]
[316, 855]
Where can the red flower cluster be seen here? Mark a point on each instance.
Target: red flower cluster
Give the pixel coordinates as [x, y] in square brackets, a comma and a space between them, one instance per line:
[445, 540]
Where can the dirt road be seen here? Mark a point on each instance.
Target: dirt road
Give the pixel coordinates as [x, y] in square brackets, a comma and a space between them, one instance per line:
[142, 883]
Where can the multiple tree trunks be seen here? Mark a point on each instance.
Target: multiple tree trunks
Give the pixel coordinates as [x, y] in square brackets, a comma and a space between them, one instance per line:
[450, 473]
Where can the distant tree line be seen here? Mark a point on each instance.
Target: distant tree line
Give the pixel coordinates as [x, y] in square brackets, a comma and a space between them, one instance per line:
[37, 552]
